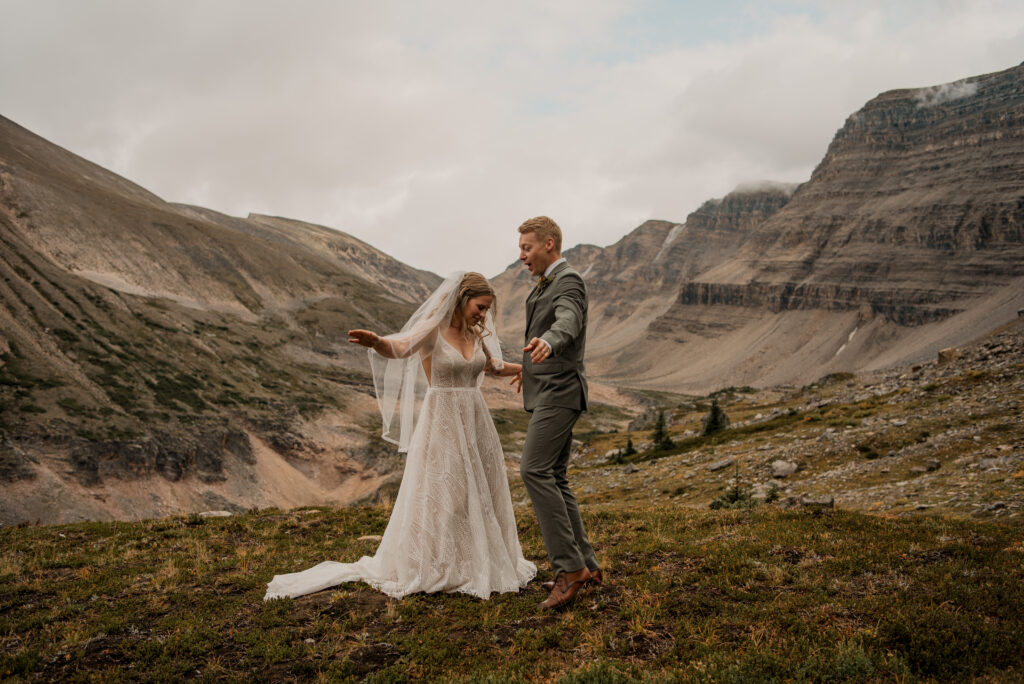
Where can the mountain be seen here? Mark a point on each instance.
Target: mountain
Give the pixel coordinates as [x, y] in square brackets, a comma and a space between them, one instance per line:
[907, 238]
[158, 358]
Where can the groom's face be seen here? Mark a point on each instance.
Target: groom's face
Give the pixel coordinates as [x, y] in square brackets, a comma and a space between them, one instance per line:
[536, 254]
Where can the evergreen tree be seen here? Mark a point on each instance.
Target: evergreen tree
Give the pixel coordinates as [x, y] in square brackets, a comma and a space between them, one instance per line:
[661, 438]
[716, 420]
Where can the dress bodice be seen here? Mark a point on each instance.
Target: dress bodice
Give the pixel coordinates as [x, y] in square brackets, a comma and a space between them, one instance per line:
[449, 368]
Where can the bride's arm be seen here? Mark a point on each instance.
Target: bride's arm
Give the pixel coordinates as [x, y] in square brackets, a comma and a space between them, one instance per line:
[399, 345]
[368, 338]
[507, 370]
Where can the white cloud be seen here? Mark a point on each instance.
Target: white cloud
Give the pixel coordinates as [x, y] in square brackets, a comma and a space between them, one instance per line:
[432, 129]
[947, 92]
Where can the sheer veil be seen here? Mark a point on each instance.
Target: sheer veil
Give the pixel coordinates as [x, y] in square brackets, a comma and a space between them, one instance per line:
[400, 383]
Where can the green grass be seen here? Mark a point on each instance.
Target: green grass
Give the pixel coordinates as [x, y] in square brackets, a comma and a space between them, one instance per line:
[720, 596]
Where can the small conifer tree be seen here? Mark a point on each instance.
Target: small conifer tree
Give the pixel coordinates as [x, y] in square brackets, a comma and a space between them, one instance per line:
[661, 438]
[716, 420]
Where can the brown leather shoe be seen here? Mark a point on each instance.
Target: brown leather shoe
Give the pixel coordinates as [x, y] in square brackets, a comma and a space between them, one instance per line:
[567, 585]
[596, 578]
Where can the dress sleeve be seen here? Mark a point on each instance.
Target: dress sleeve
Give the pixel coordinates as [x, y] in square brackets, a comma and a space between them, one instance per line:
[420, 339]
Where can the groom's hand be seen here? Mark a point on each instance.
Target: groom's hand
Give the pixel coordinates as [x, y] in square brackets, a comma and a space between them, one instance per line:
[538, 349]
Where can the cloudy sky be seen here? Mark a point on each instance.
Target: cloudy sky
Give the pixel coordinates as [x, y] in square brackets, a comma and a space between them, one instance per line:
[432, 129]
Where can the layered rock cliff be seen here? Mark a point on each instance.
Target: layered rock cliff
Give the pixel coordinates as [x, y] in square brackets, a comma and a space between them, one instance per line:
[909, 236]
[632, 283]
[916, 208]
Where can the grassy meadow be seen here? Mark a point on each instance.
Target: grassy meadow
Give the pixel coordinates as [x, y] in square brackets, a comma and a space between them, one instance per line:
[691, 595]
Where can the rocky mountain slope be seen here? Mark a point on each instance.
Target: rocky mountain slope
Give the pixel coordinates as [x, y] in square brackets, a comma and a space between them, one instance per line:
[939, 437]
[157, 358]
[908, 237]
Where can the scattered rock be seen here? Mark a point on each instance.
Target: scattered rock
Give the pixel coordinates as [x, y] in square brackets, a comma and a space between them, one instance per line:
[783, 469]
[630, 468]
[932, 464]
[949, 354]
[215, 514]
[719, 465]
[820, 503]
[370, 538]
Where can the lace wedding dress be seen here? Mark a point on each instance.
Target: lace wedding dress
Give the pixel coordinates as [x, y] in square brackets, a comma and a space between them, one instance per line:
[452, 528]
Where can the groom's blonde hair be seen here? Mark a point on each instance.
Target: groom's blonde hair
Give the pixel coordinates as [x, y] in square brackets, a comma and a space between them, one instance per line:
[544, 228]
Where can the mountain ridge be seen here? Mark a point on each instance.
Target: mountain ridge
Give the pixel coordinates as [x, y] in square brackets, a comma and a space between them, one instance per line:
[156, 358]
[908, 236]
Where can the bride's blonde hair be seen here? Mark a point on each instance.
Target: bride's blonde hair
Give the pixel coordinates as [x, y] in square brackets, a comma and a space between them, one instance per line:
[473, 285]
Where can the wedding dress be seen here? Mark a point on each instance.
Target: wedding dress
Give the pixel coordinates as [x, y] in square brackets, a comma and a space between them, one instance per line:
[452, 527]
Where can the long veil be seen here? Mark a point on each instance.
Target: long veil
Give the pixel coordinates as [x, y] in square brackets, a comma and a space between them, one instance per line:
[400, 383]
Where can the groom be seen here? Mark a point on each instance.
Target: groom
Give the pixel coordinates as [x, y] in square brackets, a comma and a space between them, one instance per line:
[555, 393]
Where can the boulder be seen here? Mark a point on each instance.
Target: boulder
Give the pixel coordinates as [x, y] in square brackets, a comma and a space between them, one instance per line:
[781, 469]
[819, 503]
[719, 465]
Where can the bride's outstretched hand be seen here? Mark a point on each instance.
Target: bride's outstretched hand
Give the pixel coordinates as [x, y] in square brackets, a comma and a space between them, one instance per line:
[517, 381]
[366, 338]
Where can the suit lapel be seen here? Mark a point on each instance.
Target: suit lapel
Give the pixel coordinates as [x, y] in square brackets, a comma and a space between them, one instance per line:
[531, 304]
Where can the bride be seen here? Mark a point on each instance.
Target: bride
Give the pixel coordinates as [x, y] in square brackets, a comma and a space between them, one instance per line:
[452, 528]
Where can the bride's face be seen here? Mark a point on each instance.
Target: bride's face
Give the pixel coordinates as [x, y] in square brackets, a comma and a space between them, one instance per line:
[476, 308]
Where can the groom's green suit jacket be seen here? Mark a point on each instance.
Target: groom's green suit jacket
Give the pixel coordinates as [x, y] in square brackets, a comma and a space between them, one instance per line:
[558, 315]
